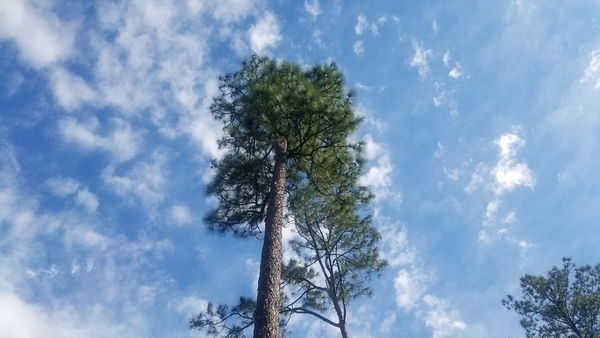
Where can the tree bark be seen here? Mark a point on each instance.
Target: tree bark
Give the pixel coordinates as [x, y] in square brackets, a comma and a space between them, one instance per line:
[266, 321]
[341, 313]
[344, 329]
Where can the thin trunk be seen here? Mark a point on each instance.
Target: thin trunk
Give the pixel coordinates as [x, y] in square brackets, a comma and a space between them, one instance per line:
[344, 329]
[266, 322]
[341, 314]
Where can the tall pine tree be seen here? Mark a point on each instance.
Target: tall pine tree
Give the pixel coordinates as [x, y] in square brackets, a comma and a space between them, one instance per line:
[284, 127]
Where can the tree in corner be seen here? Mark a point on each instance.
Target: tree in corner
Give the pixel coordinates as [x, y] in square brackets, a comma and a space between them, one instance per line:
[284, 127]
[565, 304]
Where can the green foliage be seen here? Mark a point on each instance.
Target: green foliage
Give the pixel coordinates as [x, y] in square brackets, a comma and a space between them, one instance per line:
[337, 256]
[564, 304]
[335, 241]
[230, 322]
[262, 102]
[217, 320]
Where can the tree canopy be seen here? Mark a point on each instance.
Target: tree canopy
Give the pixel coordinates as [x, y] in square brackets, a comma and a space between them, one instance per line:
[261, 103]
[563, 304]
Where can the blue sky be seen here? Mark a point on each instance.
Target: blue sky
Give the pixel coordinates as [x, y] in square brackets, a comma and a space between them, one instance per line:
[482, 125]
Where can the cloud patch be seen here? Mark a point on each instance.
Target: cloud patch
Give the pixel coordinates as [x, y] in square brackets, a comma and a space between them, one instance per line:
[508, 174]
[122, 143]
[592, 72]
[313, 8]
[421, 59]
[41, 37]
[444, 321]
[264, 34]
[377, 176]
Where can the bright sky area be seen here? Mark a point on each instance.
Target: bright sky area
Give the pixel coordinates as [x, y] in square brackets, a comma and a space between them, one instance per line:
[482, 130]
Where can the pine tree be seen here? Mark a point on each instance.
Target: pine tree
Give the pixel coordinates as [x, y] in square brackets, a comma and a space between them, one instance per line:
[565, 304]
[284, 127]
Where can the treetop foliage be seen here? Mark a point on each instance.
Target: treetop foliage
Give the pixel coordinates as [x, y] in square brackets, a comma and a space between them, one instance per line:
[266, 101]
[563, 304]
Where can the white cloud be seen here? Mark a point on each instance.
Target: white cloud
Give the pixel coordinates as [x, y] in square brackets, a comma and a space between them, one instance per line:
[88, 200]
[85, 238]
[156, 62]
[66, 186]
[410, 286]
[491, 211]
[421, 59]
[455, 72]
[68, 311]
[265, 33]
[145, 182]
[122, 143]
[62, 186]
[388, 322]
[521, 8]
[508, 174]
[434, 27]
[511, 217]
[446, 58]
[180, 214]
[504, 177]
[377, 176]
[444, 321]
[361, 25]
[361, 86]
[200, 124]
[232, 10]
[358, 47]
[40, 36]
[190, 306]
[478, 178]
[592, 72]
[365, 113]
[313, 8]
[439, 151]
[70, 90]
[453, 174]
[396, 249]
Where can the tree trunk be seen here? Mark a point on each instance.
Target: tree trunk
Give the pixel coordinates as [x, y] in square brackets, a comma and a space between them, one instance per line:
[344, 329]
[266, 320]
[341, 313]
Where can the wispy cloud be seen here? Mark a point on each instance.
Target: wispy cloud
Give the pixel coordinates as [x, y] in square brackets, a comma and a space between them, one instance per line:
[358, 47]
[122, 143]
[70, 90]
[455, 72]
[180, 214]
[592, 72]
[444, 321]
[361, 24]
[84, 250]
[144, 183]
[413, 282]
[313, 8]
[505, 176]
[421, 59]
